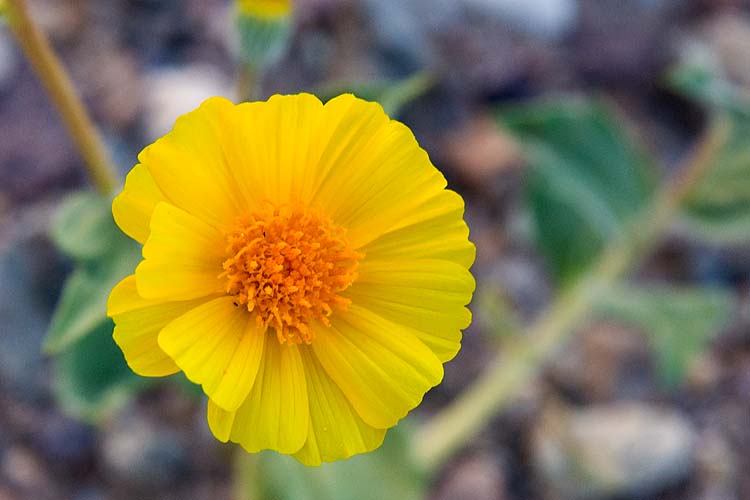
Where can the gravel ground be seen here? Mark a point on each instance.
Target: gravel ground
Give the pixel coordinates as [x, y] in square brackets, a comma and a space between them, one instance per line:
[138, 64]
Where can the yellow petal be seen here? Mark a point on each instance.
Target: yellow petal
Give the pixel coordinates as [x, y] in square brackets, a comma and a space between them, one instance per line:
[434, 230]
[302, 139]
[218, 346]
[336, 430]
[191, 163]
[137, 325]
[182, 257]
[275, 415]
[277, 150]
[426, 295]
[133, 207]
[382, 367]
[375, 172]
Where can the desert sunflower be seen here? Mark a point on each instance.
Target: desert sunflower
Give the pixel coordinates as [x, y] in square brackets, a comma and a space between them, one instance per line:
[302, 262]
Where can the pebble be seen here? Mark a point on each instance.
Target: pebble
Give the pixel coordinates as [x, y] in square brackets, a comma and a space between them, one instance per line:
[481, 151]
[544, 19]
[60, 21]
[615, 42]
[605, 362]
[171, 92]
[479, 477]
[8, 60]
[144, 455]
[728, 34]
[26, 474]
[90, 492]
[67, 445]
[24, 315]
[110, 81]
[623, 449]
[402, 29]
[716, 466]
[522, 282]
[39, 164]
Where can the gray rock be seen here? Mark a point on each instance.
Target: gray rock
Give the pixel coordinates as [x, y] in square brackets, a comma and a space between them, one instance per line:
[545, 19]
[479, 477]
[143, 455]
[65, 444]
[409, 30]
[89, 492]
[24, 314]
[605, 362]
[25, 473]
[728, 36]
[522, 282]
[8, 59]
[623, 449]
[403, 29]
[716, 466]
[172, 92]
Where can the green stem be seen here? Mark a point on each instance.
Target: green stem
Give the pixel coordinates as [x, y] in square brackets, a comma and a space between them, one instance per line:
[508, 373]
[244, 474]
[248, 84]
[58, 85]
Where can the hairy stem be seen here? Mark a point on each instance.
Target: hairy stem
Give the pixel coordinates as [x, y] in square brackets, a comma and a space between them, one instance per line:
[248, 83]
[61, 91]
[245, 475]
[507, 374]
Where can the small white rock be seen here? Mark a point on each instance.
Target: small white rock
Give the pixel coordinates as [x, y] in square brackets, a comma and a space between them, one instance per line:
[547, 19]
[620, 449]
[173, 92]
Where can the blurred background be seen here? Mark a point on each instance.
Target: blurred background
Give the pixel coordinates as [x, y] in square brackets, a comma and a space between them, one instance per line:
[555, 119]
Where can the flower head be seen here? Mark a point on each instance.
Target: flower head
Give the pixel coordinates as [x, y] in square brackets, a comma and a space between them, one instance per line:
[302, 262]
[264, 30]
[270, 9]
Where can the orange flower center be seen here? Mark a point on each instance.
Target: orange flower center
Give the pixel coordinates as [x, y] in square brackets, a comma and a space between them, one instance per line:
[288, 265]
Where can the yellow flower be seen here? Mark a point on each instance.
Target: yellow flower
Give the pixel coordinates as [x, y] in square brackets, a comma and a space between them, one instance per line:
[265, 8]
[303, 263]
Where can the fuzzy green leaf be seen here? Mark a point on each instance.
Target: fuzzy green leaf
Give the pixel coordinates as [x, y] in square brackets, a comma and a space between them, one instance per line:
[86, 231]
[718, 208]
[679, 322]
[386, 470]
[585, 180]
[83, 304]
[83, 227]
[91, 376]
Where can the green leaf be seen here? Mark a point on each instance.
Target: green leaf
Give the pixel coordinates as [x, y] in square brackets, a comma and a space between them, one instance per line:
[705, 85]
[392, 95]
[384, 473]
[718, 208]
[83, 303]
[78, 312]
[91, 377]
[83, 227]
[86, 231]
[679, 322]
[585, 179]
